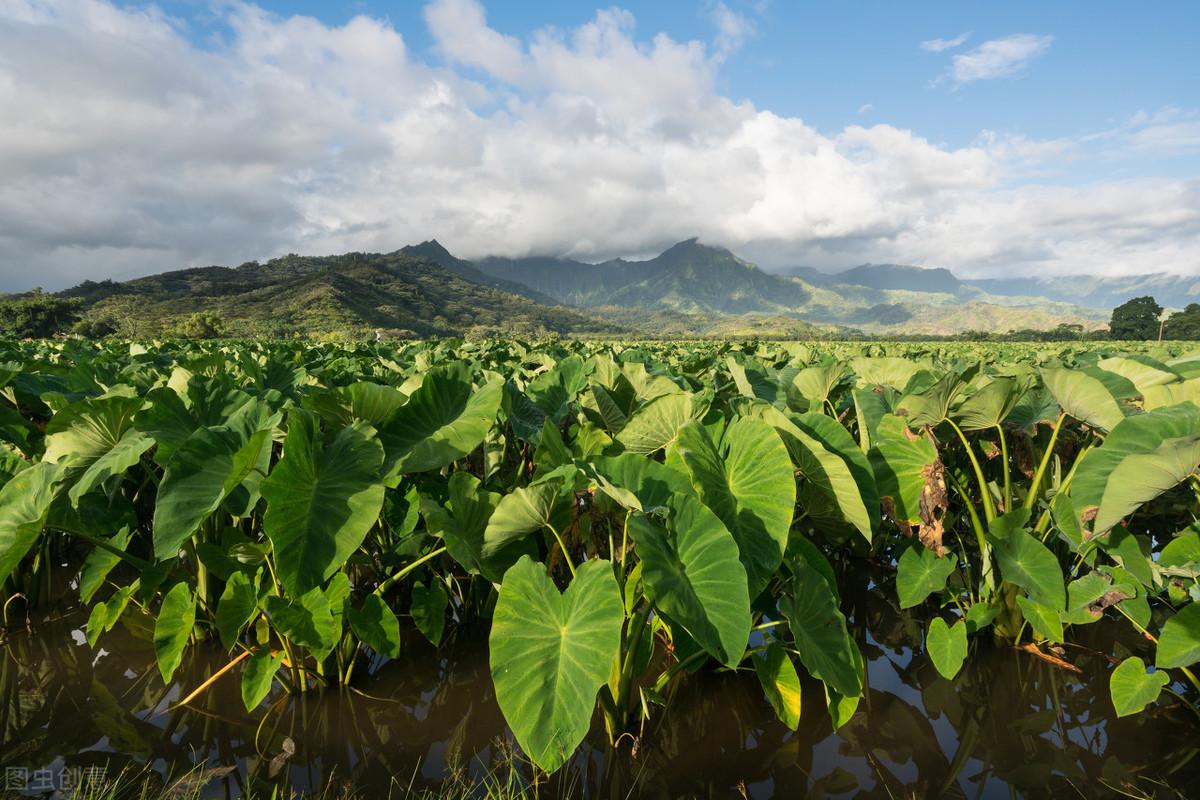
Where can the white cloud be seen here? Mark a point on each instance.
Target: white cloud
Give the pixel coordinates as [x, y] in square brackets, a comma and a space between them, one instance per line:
[733, 29]
[866, 108]
[125, 148]
[997, 58]
[938, 45]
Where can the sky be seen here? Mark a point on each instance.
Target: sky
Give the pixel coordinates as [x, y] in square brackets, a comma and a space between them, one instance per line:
[995, 139]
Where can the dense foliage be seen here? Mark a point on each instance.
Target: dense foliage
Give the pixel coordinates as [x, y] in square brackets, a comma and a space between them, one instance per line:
[1136, 319]
[620, 516]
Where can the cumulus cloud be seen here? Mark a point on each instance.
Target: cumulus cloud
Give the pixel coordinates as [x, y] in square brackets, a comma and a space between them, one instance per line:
[127, 148]
[939, 45]
[997, 58]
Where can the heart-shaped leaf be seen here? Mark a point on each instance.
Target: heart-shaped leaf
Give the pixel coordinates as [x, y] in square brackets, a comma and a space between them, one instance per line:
[550, 653]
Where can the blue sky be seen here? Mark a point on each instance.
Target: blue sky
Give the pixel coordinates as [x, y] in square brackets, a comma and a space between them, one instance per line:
[823, 62]
[991, 138]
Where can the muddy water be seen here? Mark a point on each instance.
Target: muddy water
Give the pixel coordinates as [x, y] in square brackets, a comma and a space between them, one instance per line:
[1010, 724]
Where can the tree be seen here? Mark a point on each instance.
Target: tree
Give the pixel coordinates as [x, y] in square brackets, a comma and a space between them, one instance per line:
[1185, 324]
[36, 315]
[202, 325]
[1135, 319]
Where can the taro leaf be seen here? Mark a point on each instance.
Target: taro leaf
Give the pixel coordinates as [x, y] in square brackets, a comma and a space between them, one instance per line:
[322, 500]
[307, 621]
[86, 430]
[749, 485]
[920, 572]
[979, 616]
[259, 675]
[376, 626]
[429, 603]
[1141, 458]
[947, 646]
[1082, 595]
[1181, 551]
[827, 470]
[825, 646]
[884, 371]
[1127, 550]
[1179, 642]
[837, 440]
[1132, 688]
[99, 563]
[1143, 372]
[364, 401]
[1046, 622]
[754, 380]
[192, 487]
[638, 483]
[550, 653]
[932, 405]
[903, 464]
[525, 510]
[780, 683]
[1025, 561]
[24, 505]
[841, 707]
[816, 384]
[869, 409]
[1170, 394]
[120, 457]
[693, 574]
[442, 421]
[609, 414]
[1084, 397]
[176, 618]
[656, 424]
[105, 615]
[462, 524]
[988, 406]
[235, 609]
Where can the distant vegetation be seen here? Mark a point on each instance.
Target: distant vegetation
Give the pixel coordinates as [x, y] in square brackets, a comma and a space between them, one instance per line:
[690, 291]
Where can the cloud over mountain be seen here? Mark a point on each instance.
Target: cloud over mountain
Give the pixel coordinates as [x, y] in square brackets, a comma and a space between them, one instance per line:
[129, 143]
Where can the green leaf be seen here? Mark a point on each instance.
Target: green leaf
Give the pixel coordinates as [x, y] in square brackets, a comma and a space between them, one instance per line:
[123, 455]
[780, 683]
[947, 646]
[831, 472]
[1143, 456]
[550, 653]
[1084, 397]
[24, 505]
[903, 465]
[307, 621]
[442, 421]
[235, 609]
[1179, 642]
[462, 524]
[429, 603]
[99, 563]
[989, 405]
[376, 626]
[825, 646]
[919, 573]
[322, 500]
[192, 487]
[694, 576]
[259, 675]
[105, 615]
[1132, 688]
[526, 510]
[86, 430]
[1027, 562]
[656, 424]
[176, 618]
[749, 485]
[1046, 622]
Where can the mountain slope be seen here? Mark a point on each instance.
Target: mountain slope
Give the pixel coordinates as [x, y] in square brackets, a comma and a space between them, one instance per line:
[688, 277]
[1172, 291]
[432, 250]
[348, 295]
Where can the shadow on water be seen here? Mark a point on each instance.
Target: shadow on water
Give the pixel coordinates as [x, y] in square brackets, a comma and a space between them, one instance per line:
[1009, 724]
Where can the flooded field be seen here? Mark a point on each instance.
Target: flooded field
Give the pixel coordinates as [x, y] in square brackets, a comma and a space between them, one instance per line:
[1010, 723]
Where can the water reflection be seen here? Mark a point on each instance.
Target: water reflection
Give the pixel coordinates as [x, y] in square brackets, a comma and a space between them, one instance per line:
[1010, 723]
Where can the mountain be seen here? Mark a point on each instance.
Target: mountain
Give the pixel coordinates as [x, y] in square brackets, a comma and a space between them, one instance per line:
[699, 279]
[432, 250]
[344, 296]
[1171, 291]
[689, 277]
